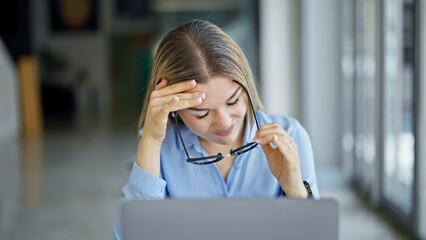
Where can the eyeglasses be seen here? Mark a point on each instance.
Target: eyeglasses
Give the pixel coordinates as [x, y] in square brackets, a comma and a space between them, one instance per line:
[219, 156]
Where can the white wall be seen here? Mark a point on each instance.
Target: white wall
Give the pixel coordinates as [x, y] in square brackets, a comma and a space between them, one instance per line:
[300, 68]
[321, 77]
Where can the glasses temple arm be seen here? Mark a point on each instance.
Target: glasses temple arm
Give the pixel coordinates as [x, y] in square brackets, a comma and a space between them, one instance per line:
[180, 135]
[251, 104]
[243, 147]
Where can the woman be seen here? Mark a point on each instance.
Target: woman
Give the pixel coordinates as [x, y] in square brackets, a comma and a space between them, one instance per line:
[203, 131]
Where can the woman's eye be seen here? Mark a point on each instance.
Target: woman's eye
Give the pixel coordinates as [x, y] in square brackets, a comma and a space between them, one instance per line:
[233, 103]
[205, 115]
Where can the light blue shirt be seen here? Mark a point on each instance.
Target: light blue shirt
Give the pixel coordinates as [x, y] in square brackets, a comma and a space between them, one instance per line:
[249, 177]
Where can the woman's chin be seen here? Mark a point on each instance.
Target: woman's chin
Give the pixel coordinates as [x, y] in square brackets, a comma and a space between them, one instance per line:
[228, 140]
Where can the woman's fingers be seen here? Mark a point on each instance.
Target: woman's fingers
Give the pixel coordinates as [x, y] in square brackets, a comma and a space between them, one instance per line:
[166, 99]
[182, 96]
[173, 89]
[160, 113]
[269, 139]
[175, 104]
[180, 104]
[282, 144]
[274, 143]
[270, 128]
[273, 133]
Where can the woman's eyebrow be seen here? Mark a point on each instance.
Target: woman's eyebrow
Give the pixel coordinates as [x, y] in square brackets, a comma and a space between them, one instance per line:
[198, 109]
[206, 109]
[233, 95]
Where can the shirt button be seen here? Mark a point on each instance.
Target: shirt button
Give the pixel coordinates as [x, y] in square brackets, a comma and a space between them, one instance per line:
[237, 166]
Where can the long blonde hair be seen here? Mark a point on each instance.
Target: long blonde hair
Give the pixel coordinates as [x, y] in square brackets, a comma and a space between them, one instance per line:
[199, 50]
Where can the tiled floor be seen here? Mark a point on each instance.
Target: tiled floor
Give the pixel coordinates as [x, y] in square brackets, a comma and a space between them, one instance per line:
[67, 186]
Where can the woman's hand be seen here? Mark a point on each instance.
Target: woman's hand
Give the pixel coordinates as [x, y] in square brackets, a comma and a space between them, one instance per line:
[283, 160]
[165, 99]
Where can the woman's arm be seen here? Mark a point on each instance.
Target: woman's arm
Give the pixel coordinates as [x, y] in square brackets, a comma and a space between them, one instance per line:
[144, 181]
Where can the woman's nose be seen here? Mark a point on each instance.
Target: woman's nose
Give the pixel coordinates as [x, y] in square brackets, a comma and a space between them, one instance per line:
[223, 120]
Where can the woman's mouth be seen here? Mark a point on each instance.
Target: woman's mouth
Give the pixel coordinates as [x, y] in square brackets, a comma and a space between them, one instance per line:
[225, 132]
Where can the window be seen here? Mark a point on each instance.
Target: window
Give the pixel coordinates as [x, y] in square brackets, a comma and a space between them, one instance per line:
[384, 130]
[398, 104]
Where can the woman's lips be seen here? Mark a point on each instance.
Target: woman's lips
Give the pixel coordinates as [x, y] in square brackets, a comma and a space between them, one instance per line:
[226, 132]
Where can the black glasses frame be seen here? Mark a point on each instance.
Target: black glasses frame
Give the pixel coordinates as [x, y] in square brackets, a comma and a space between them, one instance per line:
[219, 156]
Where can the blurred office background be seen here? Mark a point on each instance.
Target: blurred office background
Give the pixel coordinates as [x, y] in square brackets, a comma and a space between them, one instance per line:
[72, 80]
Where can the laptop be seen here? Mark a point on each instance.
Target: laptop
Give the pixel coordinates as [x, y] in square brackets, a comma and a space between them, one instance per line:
[237, 219]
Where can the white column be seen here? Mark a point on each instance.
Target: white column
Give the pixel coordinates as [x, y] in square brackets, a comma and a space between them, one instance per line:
[321, 77]
[279, 56]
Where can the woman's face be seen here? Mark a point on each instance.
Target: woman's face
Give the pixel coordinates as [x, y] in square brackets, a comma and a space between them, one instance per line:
[220, 117]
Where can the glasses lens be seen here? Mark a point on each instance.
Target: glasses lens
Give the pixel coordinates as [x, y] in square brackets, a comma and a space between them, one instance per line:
[206, 160]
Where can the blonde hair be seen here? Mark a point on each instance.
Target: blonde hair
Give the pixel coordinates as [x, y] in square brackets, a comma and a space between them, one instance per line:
[199, 50]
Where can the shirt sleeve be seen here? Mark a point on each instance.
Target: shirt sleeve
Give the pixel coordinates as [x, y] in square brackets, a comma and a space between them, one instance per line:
[141, 184]
[306, 158]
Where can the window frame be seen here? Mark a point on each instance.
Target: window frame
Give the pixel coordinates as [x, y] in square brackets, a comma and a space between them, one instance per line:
[420, 123]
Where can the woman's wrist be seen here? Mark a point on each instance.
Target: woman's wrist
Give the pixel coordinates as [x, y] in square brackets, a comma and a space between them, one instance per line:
[148, 156]
[298, 191]
[292, 184]
[149, 140]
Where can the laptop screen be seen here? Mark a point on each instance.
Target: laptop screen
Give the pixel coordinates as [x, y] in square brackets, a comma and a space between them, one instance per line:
[229, 219]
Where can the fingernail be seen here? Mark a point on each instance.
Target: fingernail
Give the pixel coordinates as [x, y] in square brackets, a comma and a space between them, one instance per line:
[275, 137]
[175, 98]
[191, 82]
[202, 95]
[198, 100]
